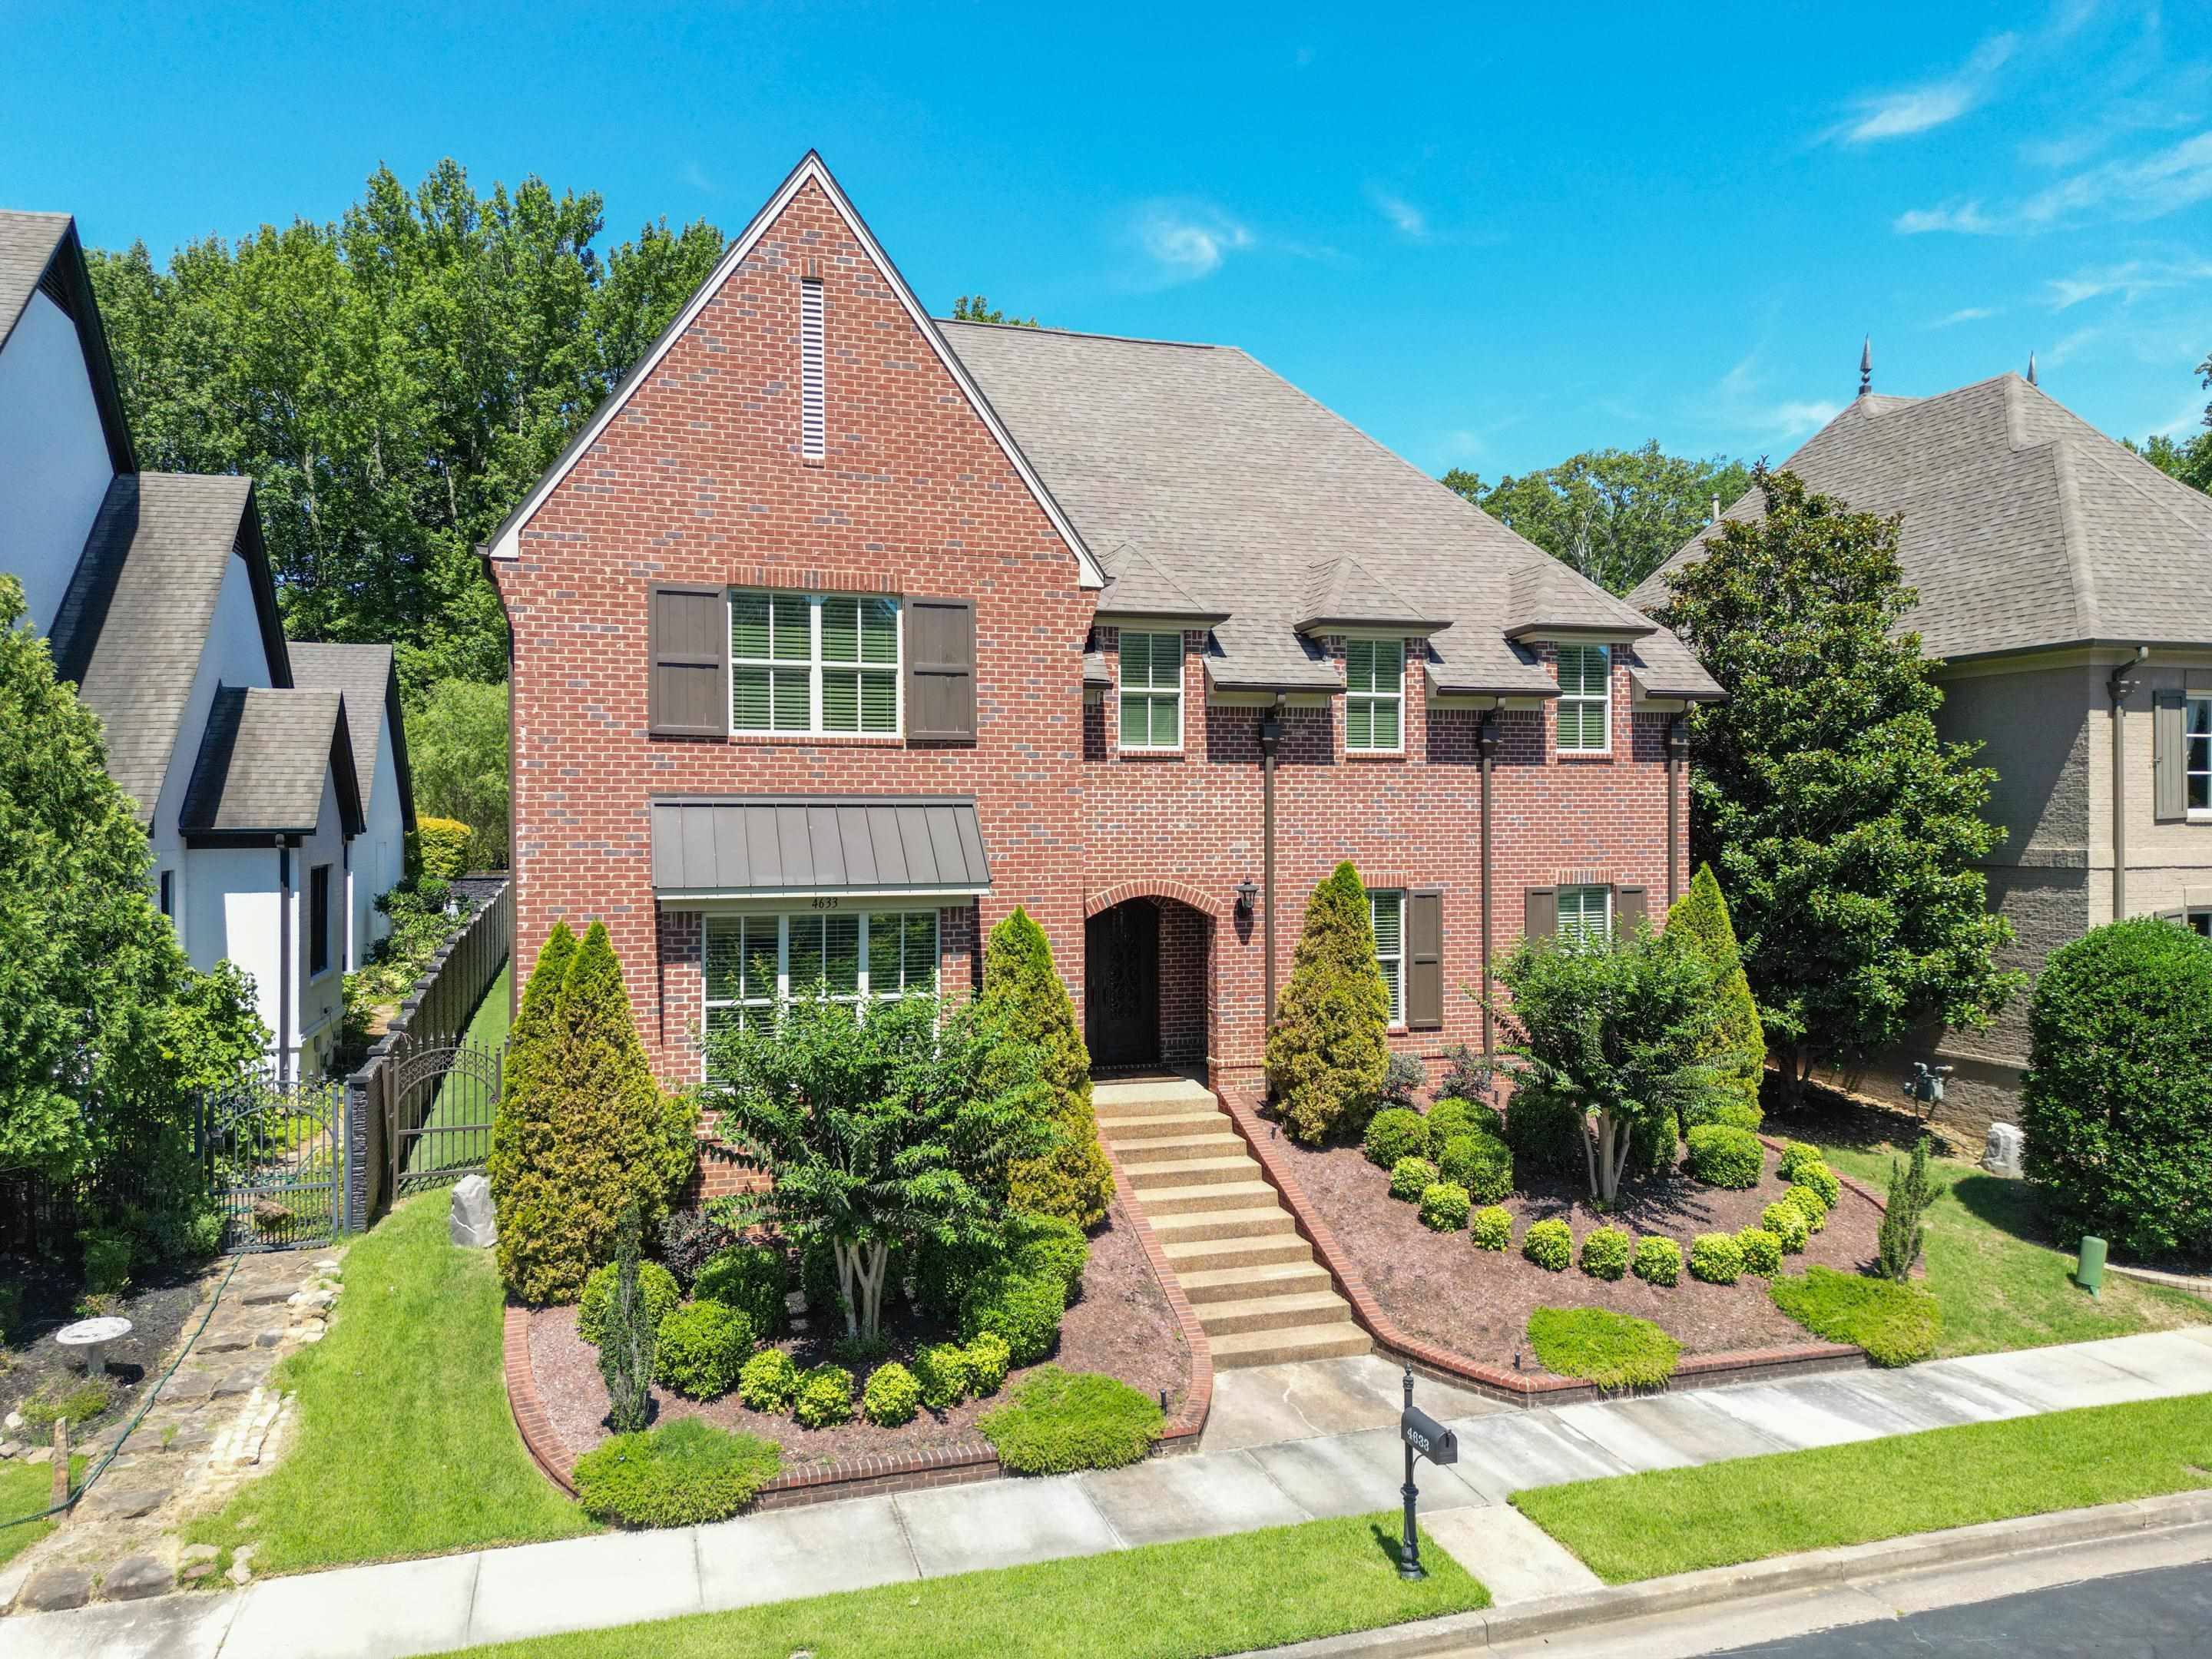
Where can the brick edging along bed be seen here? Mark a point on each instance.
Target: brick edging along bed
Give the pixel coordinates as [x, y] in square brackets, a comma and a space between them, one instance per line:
[1515, 1388]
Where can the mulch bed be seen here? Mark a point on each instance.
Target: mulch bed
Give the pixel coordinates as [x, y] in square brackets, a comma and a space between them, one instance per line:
[1437, 1286]
[1122, 1325]
[33, 1360]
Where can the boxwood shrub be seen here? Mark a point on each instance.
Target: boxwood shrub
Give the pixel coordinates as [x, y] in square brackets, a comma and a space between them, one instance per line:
[1658, 1261]
[1722, 1157]
[1808, 1204]
[940, 1370]
[1022, 1309]
[1546, 1132]
[1787, 1223]
[1762, 1251]
[1895, 1323]
[1797, 1155]
[1715, 1258]
[1613, 1350]
[1718, 1108]
[1821, 1179]
[824, 1397]
[1452, 1117]
[754, 1279]
[1410, 1177]
[680, 1474]
[1056, 1423]
[1443, 1207]
[1048, 1245]
[769, 1381]
[1400, 1132]
[988, 1361]
[1550, 1244]
[703, 1346]
[1480, 1163]
[655, 1284]
[1494, 1228]
[1605, 1253]
[891, 1397]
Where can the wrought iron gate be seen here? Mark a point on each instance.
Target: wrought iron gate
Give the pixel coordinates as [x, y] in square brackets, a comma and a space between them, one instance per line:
[274, 1159]
[443, 1096]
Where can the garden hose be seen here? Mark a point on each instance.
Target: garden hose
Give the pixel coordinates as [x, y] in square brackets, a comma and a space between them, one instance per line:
[100, 1469]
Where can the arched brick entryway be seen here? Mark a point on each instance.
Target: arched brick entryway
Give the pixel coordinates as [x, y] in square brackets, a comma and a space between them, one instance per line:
[1148, 977]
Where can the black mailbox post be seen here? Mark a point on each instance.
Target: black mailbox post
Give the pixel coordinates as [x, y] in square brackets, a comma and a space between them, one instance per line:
[1424, 1437]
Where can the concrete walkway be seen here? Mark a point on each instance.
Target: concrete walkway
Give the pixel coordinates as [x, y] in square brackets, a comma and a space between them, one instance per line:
[1286, 1444]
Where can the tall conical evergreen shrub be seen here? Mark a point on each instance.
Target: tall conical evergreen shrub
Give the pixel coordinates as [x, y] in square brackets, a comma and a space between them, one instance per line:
[1740, 1057]
[522, 1160]
[1328, 1050]
[1027, 1003]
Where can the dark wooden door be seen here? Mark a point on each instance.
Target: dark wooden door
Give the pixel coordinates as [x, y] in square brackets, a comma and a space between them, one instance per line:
[1121, 985]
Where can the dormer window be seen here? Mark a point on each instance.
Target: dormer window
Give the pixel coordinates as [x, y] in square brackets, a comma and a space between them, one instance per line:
[1375, 696]
[1585, 699]
[1151, 691]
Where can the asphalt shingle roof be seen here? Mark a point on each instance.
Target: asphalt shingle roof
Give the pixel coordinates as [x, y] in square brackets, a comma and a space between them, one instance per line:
[2024, 526]
[263, 762]
[363, 673]
[1239, 486]
[27, 241]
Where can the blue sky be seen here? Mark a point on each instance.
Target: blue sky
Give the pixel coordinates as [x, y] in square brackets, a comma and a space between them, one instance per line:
[1491, 236]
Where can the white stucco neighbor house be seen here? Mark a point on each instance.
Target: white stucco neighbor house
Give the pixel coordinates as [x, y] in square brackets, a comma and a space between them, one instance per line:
[368, 678]
[154, 594]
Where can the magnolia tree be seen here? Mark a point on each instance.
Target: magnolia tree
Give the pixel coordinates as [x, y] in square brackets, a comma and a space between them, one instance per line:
[1625, 1028]
[878, 1127]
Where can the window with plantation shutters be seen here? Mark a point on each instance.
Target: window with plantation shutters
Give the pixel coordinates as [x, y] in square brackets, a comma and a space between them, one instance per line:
[1151, 690]
[1585, 912]
[771, 662]
[1375, 693]
[803, 663]
[1387, 910]
[859, 665]
[754, 962]
[813, 414]
[1585, 699]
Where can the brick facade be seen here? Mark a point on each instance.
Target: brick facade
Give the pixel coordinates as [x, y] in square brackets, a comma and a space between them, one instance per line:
[700, 477]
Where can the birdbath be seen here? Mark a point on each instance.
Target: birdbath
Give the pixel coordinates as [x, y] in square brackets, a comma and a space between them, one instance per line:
[94, 1335]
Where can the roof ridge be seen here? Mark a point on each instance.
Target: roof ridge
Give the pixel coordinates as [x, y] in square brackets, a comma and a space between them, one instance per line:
[1041, 329]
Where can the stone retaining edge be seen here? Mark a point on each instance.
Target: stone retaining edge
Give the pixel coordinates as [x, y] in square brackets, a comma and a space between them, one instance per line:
[1514, 1388]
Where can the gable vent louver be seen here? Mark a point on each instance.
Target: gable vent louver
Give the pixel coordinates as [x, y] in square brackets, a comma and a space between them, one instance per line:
[812, 422]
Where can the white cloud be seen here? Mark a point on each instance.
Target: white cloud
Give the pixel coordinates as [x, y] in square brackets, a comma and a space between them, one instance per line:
[1964, 314]
[1185, 243]
[2134, 189]
[1933, 104]
[1966, 218]
[695, 176]
[1739, 402]
[2131, 281]
[1410, 221]
[2070, 347]
[2190, 419]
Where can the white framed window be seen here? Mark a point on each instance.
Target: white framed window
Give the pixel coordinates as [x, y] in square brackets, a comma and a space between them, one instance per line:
[1585, 699]
[815, 663]
[2197, 763]
[754, 962]
[1387, 910]
[2200, 922]
[1151, 690]
[1585, 912]
[1375, 695]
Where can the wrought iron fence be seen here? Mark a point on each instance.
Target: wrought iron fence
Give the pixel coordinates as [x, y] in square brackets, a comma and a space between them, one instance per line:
[443, 1096]
[275, 1156]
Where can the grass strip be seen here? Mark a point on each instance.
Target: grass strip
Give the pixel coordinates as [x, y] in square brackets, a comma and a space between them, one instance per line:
[26, 1489]
[1634, 1527]
[462, 1102]
[404, 1444]
[1187, 1600]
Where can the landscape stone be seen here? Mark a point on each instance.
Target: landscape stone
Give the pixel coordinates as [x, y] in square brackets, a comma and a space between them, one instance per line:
[473, 1225]
[135, 1577]
[13, 1420]
[191, 1572]
[220, 1341]
[44, 1454]
[2001, 1156]
[192, 1552]
[56, 1590]
[244, 1380]
[269, 1297]
[8, 1448]
[268, 1338]
[129, 1502]
[190, 1388]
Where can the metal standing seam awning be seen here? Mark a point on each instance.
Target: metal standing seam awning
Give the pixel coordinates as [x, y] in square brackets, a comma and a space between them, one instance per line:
[758, 847]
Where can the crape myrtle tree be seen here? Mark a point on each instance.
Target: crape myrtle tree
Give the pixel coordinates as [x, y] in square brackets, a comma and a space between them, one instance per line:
[1329, 1048]
[1847, 836]
[1625, 1027]
[880, 1127]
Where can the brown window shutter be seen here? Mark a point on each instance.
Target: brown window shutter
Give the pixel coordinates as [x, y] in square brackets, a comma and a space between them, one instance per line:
[1630, 906]
[2169, 757]
[940, 671]
[1425, 960]
[1543, 912]
[688, 640]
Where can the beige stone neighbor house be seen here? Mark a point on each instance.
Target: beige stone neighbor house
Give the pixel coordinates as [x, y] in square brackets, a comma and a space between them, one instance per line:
[2067, 585]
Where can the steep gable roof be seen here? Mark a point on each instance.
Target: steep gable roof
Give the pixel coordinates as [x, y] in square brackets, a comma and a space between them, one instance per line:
[263, 762]
[505, 542]
[370, 682]
[39, 253]
[2024, 526]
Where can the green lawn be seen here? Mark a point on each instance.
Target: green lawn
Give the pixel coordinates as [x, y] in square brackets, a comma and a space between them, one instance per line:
[1998, 1282]
[404, 1445]
[460, 1102]
[1646, 1526]
[26, 1489]
[1214, 1595]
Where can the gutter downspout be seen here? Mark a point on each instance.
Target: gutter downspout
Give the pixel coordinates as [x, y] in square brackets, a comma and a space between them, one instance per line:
[1271, 737]
[1487, 741]
[2117, 687]
[1678, 748]
[284, 986]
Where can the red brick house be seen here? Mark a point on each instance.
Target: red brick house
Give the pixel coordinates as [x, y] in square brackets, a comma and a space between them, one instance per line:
[840, 631]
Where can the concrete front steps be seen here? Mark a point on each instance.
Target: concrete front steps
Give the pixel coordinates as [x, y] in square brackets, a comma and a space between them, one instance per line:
[1258, 1292]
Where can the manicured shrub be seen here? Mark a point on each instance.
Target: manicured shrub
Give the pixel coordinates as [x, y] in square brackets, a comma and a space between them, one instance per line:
[1658, 1261]
[703, 1346]
[824, 1397]
[680, 1474]
[1722, 1157]
[439, 848]
[1403, 1079]
[1056, 1423]
[1395, 1134]
[2116, 1105]
[654, 1283]
[818, 1279]
[1762, 1251]
[1328, 1050]
[769, 1381]
[1451, 1117]
[1808, 1205]
[1715, 1258]
[988, 1361]
[1615, 1351]
[891, 1397]
[1494, 1228]
[1048, 1245]
[1026, 1003]
[690, 1239]
[1794, 1156]
[1719, 1109]
[1023, 1310]
[1820, 1178]
[1738, 1053]
[1550, 1244]
[1545, 1130]
[1911, 1190]
[754, 1279]
[1444, 1207]
[1895, 1323]
[1412, 1176]
[628, 1334]
[1605, 1253]
[940, 1370]
[1787, 1223]
[1480, 1163]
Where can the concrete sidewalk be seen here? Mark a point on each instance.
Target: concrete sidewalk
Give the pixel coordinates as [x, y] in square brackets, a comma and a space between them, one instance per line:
[1286, 1444]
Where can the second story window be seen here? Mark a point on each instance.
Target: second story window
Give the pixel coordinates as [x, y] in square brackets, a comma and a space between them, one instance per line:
[1151, 690]
[818, 663]
[1585, 685]
[1375, 693]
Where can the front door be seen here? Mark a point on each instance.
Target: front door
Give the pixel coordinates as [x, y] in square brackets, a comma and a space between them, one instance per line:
[1121, 986]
